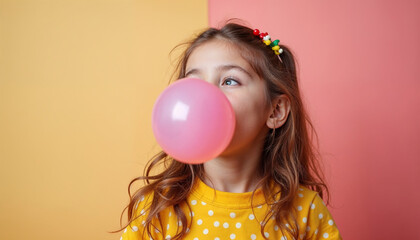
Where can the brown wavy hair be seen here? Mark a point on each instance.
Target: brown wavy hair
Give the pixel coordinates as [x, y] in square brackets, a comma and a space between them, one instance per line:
[289, 157]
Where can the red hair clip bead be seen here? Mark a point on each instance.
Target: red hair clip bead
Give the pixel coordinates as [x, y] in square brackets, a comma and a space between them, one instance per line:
[267, 40]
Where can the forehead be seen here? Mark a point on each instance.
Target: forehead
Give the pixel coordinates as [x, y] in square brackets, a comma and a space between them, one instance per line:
[216, 52]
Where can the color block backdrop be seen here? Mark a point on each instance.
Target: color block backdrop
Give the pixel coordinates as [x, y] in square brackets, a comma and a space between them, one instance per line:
[77, 83]
[78, 80]
[359, 69]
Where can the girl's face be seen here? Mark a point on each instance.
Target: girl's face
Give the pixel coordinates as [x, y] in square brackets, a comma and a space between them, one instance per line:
[220, 63]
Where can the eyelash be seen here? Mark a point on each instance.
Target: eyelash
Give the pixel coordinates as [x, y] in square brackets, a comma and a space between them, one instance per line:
[230, 79]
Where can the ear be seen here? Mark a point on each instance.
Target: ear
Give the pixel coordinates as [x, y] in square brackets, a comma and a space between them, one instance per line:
[279, 112]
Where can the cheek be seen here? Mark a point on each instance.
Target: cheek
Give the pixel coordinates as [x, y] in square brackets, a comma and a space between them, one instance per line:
[237, 104]
[250, 108]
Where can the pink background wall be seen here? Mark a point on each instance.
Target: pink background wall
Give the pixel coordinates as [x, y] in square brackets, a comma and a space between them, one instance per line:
[359, 69]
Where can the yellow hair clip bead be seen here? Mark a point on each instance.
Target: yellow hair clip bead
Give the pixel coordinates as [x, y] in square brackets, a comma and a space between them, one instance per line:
[267, 40]
[275, 48]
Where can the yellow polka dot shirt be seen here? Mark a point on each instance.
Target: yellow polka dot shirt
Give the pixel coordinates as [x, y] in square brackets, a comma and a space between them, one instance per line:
[220, 215]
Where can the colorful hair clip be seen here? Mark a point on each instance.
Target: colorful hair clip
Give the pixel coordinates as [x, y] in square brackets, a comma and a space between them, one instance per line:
[267, 40]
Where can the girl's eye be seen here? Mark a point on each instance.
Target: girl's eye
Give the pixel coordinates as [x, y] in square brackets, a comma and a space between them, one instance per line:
[230, 82]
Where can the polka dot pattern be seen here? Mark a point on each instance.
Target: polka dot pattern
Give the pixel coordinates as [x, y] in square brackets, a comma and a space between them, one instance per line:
[223, 220]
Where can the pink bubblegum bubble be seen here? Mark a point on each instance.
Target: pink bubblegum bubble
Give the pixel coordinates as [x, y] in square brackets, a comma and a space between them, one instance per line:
[193, 121]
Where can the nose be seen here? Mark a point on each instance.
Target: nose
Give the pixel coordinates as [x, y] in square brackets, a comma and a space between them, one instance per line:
[208, 75]
[212, 80]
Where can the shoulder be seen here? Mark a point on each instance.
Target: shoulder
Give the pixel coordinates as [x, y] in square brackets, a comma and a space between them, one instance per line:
[308, 200]
[136, 229]
[143, 204]
[313, 216]
[162, 225]
[306, 194]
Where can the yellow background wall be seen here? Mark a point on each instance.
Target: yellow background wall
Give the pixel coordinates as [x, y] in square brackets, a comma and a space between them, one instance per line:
[78, 80]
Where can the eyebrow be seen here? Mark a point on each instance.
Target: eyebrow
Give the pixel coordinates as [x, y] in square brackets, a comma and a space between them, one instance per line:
[222, 68]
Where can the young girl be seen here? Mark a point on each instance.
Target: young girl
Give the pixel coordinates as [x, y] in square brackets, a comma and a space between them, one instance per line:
[267, 183]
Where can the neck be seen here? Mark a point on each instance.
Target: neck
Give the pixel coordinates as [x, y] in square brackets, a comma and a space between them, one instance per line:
[238, 173]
